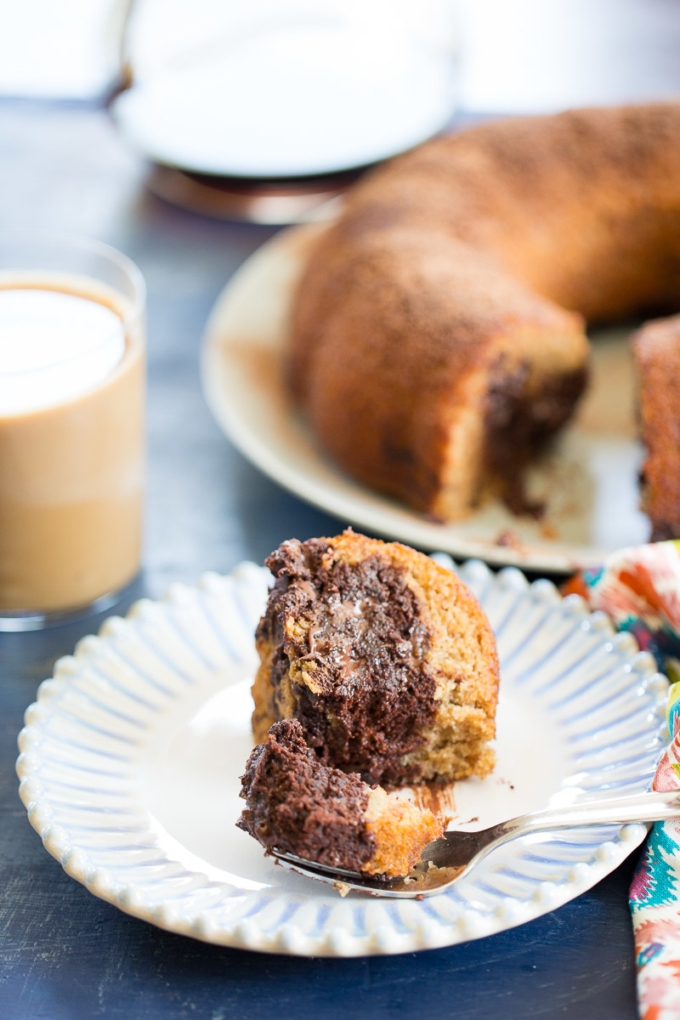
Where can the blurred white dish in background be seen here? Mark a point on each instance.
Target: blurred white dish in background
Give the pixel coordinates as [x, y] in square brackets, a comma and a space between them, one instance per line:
[533, 56]
[518, 57]
[57, 50]
[291, 88]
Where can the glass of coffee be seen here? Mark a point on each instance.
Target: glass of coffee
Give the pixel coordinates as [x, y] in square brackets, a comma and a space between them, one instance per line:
[72, 389]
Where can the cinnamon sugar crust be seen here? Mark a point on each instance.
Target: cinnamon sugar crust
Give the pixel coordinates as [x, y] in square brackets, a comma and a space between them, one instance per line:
[656, 349]
[469, 267]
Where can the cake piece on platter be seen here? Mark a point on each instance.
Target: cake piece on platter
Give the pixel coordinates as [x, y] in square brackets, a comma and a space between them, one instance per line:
[383, 656]
[296, 805]
[656, 349]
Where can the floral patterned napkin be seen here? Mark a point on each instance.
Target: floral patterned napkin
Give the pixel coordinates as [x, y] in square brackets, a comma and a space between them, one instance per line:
[639, 588]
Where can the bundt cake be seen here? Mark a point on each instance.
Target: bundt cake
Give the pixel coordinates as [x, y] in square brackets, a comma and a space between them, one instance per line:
[656, 349]
[383, 656]
[437, 334]
[297, 805]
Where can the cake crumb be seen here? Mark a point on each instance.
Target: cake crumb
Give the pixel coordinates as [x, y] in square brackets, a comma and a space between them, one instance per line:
[342, 887]
[507, 539]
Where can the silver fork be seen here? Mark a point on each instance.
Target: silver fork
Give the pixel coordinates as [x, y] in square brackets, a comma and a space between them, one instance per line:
[444, 861]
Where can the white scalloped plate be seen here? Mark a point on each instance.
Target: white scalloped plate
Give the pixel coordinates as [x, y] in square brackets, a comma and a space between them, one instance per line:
[131, 756]
[589, 482]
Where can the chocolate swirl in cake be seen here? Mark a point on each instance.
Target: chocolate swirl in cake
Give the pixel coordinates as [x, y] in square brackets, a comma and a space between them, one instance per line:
[384, 657]
[362, 690]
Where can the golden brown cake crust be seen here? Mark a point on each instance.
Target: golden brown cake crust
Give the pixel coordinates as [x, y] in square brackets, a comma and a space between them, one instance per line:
[400, 830]
[385, 657]
[656, 349]
[473, 261]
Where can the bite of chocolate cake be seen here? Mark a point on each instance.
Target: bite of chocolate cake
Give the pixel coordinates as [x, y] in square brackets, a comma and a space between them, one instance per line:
[296, 805]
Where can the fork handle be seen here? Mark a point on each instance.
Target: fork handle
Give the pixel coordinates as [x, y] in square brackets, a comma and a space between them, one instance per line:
[641, 807]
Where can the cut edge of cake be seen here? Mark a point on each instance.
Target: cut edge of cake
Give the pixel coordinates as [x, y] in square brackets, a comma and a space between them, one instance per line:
[296, 805]
[656, 351]
[459, 660]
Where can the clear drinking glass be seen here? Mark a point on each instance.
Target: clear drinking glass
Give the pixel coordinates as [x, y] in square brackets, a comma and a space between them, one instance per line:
[72, 393]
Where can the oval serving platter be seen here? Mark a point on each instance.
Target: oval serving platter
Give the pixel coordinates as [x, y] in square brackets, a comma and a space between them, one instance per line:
[588, 481]
[131, 756]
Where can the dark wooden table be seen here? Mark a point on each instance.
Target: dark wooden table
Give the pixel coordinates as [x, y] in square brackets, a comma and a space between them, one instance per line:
[65, 955]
